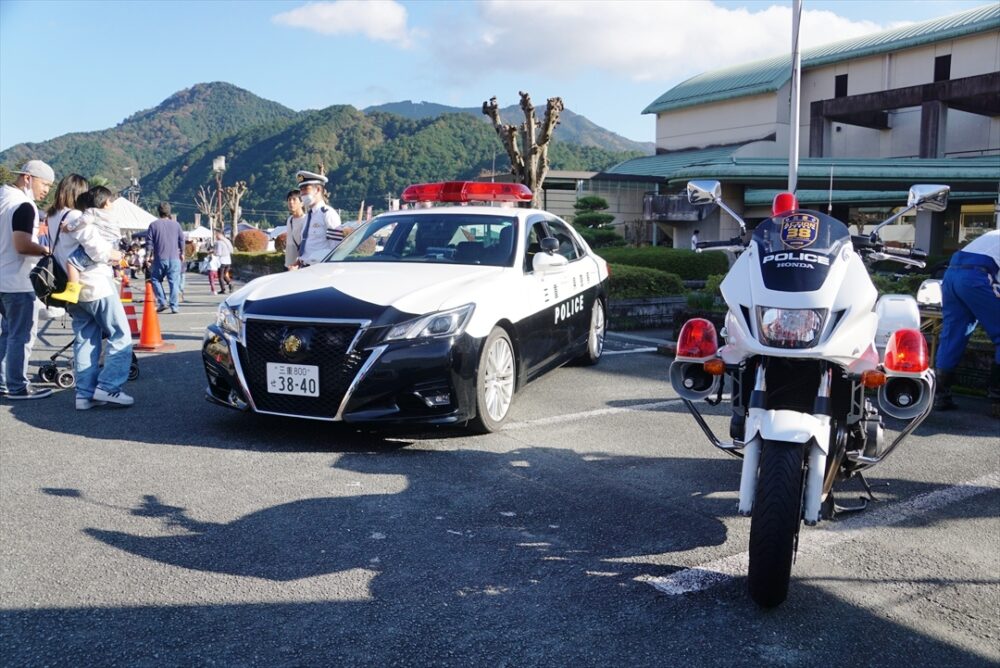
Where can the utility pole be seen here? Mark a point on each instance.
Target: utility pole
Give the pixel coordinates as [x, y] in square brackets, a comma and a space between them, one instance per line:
[793, 130]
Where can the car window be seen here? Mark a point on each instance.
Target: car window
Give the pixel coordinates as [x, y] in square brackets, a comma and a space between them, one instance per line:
[568, 247]
[533, 245]
[452, 238]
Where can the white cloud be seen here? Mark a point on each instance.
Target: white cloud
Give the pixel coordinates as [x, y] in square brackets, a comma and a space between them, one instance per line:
[380, 20]
[636, 39]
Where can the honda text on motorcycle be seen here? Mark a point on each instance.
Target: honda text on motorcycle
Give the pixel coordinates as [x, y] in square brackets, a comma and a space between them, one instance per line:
[807, 347]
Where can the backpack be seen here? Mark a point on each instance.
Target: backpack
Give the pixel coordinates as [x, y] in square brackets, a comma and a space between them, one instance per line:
[48, 276]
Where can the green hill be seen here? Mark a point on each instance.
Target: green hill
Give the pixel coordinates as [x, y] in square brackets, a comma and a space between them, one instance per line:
[367, 156]
[148, 139]
[573, 128]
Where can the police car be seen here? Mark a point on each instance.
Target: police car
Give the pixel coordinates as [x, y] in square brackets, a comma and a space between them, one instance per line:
[434, 315]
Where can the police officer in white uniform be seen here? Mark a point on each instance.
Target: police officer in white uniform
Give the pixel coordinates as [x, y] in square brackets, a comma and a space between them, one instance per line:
[323, 230]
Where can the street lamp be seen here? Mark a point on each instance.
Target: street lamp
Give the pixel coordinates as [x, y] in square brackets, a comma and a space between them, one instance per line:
[218, 166]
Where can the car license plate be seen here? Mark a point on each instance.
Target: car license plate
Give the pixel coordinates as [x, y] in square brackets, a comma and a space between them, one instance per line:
[301, 380]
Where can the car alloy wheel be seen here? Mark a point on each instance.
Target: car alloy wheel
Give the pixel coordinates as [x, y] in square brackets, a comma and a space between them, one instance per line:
[495, 383]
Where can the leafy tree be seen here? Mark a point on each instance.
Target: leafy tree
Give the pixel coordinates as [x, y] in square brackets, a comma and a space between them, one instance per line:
[6, 176]
[588, 212]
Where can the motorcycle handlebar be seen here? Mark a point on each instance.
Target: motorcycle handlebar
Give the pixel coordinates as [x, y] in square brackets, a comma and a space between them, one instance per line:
[735, 241]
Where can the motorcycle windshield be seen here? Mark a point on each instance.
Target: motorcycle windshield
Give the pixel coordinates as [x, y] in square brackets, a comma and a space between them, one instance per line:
[797, 249]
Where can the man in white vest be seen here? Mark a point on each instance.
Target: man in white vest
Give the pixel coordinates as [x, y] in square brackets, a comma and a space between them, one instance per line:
[323, 230]
[19, 251]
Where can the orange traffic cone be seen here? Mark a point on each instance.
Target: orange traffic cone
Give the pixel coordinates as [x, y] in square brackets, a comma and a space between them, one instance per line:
[125, 293]
[150, 338]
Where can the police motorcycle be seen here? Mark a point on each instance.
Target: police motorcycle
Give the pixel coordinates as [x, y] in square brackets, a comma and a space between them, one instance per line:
[803, 353]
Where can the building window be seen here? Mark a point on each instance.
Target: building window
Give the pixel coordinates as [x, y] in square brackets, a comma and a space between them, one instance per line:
[840, 86]
[942, 68]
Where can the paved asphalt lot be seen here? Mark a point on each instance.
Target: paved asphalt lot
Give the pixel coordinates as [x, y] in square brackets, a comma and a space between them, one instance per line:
[180, 533]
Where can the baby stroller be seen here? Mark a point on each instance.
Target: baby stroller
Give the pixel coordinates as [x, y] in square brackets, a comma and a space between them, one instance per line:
[50, 372]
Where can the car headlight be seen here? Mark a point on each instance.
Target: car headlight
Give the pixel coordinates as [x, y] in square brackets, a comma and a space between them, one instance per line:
[436, 325]
[227, 319]
[789, 327]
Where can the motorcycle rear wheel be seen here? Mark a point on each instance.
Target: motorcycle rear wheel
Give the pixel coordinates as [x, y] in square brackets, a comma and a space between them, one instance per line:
[777, 511]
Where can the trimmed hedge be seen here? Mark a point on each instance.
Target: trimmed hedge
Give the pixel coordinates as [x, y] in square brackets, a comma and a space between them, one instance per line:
[267, 262]
[600, 237]
[281, 241]
[628, 282]
[685, 263]
[250, 241]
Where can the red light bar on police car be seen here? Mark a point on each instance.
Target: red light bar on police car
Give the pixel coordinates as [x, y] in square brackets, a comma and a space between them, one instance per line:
[467, 191]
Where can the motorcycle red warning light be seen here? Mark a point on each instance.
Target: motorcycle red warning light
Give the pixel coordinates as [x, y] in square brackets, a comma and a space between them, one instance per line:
[467, 191]
[783, 203]
[697, 339]
[906, 352]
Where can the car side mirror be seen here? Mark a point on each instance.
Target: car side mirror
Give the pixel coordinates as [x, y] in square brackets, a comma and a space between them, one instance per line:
[548, 263]
[928, 197]
[704, 192]
[550, 245]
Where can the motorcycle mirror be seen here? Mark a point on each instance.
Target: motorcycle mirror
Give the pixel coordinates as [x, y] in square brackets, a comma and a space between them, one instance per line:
[704, 192]
[928, 197]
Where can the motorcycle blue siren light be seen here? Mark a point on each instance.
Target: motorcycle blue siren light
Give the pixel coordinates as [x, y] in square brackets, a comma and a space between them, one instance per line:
[906, 352]
[783, 203]
[697, 339]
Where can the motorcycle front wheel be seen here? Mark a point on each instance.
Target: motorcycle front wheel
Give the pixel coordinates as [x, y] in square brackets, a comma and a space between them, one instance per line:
[777, 510]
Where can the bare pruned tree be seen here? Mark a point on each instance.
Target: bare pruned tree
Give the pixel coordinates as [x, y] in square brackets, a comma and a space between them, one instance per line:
[527, 145]
[207, 202]
[233, 195]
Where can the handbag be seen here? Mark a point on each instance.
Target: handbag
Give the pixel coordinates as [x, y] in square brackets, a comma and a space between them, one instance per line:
[48, 277]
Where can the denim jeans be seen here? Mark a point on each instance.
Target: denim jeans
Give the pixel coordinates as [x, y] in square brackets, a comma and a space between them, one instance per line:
[171, 270]
[17, 333]
[93, 321]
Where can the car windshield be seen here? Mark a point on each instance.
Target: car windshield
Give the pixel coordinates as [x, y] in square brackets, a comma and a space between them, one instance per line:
[801, 230]
[447, 238]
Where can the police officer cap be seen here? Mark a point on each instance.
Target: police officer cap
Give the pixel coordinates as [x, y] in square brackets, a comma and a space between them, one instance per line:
[305, 178]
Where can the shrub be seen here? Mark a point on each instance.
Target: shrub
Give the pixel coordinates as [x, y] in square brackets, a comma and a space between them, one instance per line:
[600, 238]
[259, 262]
[281, 241]
[250, 241]
[906, 284]
[713, 285]
[629, 282]
[685, 263]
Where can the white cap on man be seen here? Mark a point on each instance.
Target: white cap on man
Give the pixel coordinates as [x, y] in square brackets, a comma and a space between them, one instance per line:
[305, 178]
[39, 170]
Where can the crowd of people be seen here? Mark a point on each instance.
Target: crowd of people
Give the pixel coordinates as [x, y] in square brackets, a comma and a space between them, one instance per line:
[81, 234]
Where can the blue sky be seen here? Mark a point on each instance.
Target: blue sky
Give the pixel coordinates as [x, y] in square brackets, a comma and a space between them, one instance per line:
[79, 65]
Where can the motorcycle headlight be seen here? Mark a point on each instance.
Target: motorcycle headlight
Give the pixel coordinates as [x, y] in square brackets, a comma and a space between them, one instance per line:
[227, 319]
[789, 327]
[436, 325]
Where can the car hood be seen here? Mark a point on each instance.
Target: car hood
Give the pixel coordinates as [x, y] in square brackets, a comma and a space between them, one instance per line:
[380, 292]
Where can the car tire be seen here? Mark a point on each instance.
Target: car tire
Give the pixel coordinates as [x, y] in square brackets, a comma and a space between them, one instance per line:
[595, 335]
[495, 383]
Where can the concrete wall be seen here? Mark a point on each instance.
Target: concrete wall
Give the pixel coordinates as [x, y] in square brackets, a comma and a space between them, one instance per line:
[717, 123]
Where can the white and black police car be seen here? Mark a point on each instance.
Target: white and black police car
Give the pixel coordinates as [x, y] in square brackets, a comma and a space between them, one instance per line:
[433, 315]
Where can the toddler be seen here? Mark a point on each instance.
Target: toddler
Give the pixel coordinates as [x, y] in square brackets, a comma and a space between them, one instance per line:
[95, 204]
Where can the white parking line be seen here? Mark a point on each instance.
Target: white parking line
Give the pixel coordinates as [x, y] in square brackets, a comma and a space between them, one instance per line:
[584, 415]
[635, 337]
[820, 540]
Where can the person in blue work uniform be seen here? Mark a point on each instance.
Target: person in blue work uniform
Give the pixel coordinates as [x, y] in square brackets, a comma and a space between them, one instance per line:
[322, 230]
[970, 294]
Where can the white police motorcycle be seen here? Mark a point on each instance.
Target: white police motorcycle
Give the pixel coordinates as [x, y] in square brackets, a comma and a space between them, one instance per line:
[806, 345]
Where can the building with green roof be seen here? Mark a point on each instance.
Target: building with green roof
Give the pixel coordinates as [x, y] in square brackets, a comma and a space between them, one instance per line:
[919, 103]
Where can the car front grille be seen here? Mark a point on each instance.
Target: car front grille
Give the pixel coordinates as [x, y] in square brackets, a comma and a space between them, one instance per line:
[328, 350]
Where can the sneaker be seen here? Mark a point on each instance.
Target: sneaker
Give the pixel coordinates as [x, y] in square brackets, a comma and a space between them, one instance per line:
[161, 309]
[173, 310]
[71, 295]
[116, 397]
[29, 393]
[83, 404]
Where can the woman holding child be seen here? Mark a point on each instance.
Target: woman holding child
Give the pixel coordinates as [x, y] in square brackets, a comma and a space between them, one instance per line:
[86, 250]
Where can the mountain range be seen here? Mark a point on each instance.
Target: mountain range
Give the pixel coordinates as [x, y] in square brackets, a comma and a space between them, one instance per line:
[368, 155]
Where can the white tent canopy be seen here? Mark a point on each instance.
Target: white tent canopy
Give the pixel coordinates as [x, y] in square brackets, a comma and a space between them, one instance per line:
[199, 233]
[129, 216]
